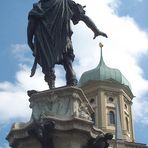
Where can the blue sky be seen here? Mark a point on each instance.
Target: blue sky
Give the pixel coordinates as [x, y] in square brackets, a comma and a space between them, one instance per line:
[125, 22]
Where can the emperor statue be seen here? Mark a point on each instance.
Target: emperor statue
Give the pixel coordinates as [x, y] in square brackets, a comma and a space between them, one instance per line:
[49, 36]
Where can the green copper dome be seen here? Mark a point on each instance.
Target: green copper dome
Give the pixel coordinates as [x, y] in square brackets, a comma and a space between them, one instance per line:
[103, 72]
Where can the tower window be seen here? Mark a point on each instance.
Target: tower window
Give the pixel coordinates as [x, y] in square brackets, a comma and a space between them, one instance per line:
[111, 117]
[127, 124]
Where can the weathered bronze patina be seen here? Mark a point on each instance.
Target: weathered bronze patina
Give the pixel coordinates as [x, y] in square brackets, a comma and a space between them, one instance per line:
[49, 36]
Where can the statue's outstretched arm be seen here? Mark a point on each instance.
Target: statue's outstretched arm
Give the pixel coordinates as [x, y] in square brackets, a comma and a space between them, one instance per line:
[30, 33]
[92, 26]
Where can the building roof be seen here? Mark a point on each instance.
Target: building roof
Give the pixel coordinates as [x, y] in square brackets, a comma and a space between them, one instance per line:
[102, 72]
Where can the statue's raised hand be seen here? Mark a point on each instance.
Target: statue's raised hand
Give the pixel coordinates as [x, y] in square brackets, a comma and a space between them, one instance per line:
[100, 33]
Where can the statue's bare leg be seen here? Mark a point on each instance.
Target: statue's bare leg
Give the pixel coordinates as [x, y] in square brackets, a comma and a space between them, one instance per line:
[68, 58]
[70, 74]
[50, 78]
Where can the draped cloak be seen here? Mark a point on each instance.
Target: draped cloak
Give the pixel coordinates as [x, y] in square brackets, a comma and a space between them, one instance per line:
[52, 31]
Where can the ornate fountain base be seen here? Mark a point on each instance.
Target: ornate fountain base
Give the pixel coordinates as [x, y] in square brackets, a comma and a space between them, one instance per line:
[61, 118]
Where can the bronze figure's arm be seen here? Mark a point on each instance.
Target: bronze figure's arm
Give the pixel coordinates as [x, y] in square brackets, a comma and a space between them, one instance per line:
[79, 15]
[92, 26]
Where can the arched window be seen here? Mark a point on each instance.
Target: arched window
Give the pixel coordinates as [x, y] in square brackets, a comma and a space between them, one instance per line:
[127, 125]
[111, 117]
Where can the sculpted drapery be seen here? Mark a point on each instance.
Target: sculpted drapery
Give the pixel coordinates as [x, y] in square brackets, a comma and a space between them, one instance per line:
[49, 36]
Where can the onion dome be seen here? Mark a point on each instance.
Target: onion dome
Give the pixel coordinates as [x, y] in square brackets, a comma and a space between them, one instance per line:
[102, 72]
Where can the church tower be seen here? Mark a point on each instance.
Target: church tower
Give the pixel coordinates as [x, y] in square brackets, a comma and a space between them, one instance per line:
[110, 95]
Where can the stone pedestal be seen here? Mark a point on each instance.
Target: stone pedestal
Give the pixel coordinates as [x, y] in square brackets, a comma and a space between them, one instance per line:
[68, 109]
[63, 103]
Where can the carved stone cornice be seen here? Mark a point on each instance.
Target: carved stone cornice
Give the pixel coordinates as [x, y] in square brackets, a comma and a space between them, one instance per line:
[111, 93]
[64, 102]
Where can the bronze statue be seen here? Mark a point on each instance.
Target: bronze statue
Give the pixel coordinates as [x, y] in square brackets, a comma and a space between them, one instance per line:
[43, 132]
[99, 142]
[49, 36]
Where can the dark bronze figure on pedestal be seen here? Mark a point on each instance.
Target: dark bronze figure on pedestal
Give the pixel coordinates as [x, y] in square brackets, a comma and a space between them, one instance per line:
[43, 133]
[49, 36]
[99, 142]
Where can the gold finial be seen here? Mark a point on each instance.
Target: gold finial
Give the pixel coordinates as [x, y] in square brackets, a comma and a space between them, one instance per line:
[101, 45]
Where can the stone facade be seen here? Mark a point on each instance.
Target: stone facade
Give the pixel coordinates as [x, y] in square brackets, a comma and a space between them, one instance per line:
[104, 96]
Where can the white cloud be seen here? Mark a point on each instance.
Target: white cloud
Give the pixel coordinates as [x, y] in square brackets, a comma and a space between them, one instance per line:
[13, 103]
[126, 44]
[140, 110]
[122, 50]
[14, 100]
[20, 51]
[5, 145]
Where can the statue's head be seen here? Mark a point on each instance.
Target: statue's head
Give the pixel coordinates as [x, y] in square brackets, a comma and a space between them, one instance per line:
[108, 136]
